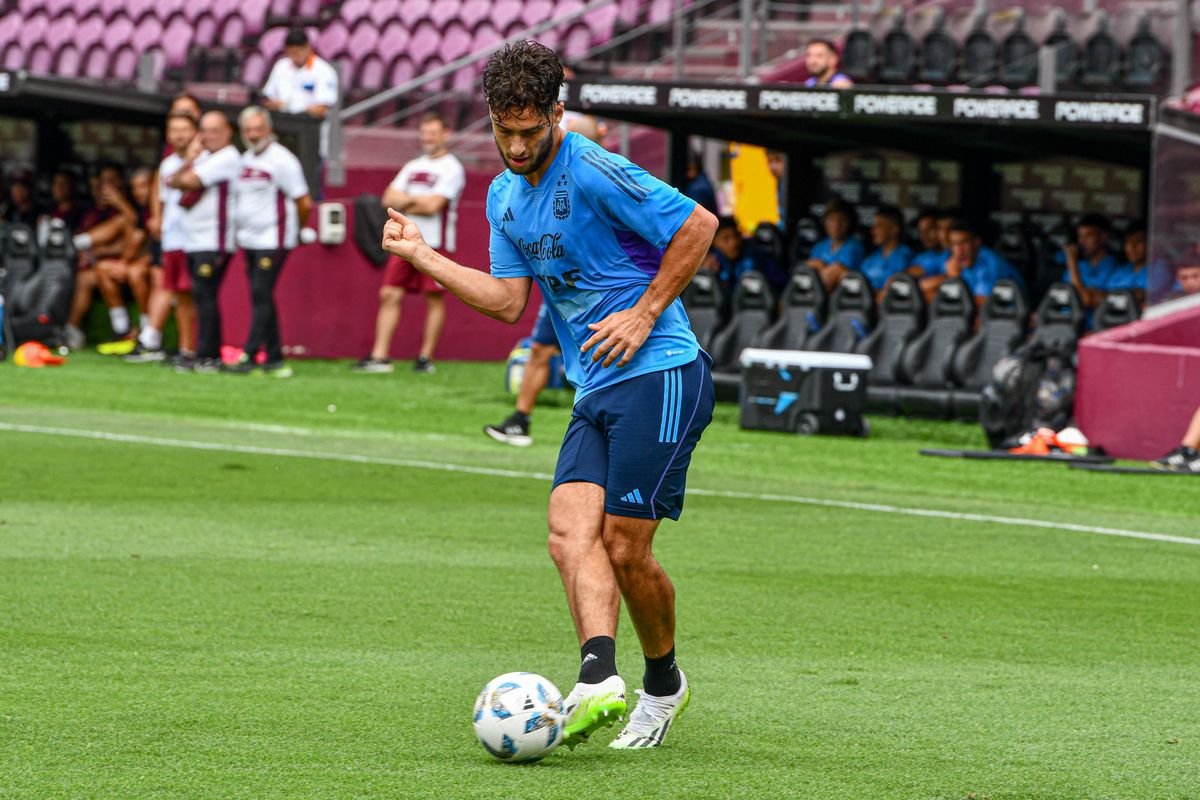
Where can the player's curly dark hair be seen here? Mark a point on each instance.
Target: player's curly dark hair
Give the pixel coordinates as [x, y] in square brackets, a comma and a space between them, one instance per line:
[522, 75]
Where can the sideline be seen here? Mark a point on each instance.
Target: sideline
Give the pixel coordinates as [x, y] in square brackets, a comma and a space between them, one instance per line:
[879, 508]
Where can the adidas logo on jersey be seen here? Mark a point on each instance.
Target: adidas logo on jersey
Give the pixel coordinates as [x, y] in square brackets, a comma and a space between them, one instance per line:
[508, 216]
[633, 497]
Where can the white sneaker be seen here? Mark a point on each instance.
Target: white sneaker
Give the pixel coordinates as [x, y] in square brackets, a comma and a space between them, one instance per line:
[652, 718]
[591, 706]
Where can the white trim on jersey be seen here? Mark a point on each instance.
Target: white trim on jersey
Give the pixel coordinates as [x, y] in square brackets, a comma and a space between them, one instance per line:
[208, 225]
[172, 213]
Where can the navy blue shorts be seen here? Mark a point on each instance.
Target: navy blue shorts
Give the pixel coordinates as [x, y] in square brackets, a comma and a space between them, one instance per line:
[543, 328]
[635, 438]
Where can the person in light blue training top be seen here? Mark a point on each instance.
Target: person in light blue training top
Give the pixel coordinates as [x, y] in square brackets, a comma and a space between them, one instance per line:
[838, 252]
[890, 256]
[611, 248]
[1132, 274]
[936, 243]
[1088, 266]
[979, 267]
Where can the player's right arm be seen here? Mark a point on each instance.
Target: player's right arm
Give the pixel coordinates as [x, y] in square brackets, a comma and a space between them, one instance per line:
[500, 298]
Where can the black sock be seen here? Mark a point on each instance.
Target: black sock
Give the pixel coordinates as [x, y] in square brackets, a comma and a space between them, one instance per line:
[599, 659]
[661, 678]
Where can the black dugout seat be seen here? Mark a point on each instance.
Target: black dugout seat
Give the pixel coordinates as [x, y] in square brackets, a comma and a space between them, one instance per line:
[939, 54]
[1118, 308]
[1059, 319]
[753, 311]
[925, 363]
[858, 55]
[851, 316]
[1145, 57]
[801, 313]
[1101, 61]
[1018, 56]
[898, 55]
[901, 319]
[980, 54]
[1004, 323]
[702, 301]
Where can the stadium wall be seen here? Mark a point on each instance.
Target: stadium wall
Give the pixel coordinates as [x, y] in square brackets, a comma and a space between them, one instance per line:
[1139, 384]
[328, 295]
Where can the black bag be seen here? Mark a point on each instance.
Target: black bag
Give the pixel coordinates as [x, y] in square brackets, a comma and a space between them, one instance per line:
[1032, 388]
[369, 219]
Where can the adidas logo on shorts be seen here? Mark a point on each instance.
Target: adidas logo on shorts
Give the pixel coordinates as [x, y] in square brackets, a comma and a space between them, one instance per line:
[633, 497]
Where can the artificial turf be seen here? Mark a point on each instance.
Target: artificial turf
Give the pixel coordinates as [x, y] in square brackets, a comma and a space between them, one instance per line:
[193, 609]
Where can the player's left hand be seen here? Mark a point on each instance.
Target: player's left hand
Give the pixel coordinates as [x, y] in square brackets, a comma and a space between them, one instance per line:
[619, 336]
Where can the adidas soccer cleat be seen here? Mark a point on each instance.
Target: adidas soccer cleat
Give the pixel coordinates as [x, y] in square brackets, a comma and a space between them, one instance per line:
[592, 706]
[652, 718]
[514, 431]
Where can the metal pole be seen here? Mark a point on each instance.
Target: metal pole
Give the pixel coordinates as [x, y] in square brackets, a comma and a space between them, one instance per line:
[1181, 50]
[1048, 70]
[744, 54]
[764, 13]
[335, 167]
[854, 13]
[678, 31]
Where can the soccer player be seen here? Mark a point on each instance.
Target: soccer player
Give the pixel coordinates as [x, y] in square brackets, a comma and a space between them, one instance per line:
[838, 252]
[979, 267]
[208, 232]
[427, 189]
[821, 59]
[1089, 265]
[891, 255]
[271, 203]
[611, 248]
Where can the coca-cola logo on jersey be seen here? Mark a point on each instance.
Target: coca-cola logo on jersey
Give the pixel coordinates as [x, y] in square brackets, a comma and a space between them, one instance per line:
[253, 174]
[548, 248]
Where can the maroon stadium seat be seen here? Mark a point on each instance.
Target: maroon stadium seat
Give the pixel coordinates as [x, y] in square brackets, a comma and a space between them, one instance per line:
[474, 12]
[601, 23]
[231, 30]
[369, 77]
[177, 38]
[88, 31]
[484, 36]
[442, 12]
[95, 62]
[123, 64]
[505, 13]
[577, 42]
[402, 70]
[204, 30]
[39, 59]
[362, 41]
[270, 44]
[393, 41]
[331, 42]
[535, 11]
[413, 11]
[281, 9]
[254, 68]
[424, 42]
[67, 62]
[456, 42]
[628, 12]
[465, 79]
[385, 12]
[354, 10]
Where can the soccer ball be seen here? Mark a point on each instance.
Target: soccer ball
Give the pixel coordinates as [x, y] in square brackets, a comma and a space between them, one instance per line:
[519, 716]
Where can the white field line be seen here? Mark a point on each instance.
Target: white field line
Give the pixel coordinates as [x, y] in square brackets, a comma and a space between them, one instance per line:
[352, 458]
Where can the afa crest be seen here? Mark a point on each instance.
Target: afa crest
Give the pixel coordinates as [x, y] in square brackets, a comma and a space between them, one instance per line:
[562, 205]
[264, 262]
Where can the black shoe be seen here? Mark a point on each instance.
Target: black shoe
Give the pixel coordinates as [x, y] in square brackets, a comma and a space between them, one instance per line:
[243, 366]
[144, 355]
[423, 364]
[1181, 459]
[182, 362]
[207, 365]
[514, 430]
[370, 365]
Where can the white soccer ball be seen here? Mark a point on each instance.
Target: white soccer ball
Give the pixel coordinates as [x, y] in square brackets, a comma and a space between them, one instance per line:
[519, 716]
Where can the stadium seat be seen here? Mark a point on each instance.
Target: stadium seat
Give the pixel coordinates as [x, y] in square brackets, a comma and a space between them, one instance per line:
[1145, 57]
[898, 54]
[443, 12]
[801, 313]
[1059, 319]
[456, 42]
[702, 301]
[1018, 57]
[1101, 63]
[1004, 322]
[806, 234]
[901, 319]
[858, 55]
[370, 73]
[924, 365]
[123, 64]
[980, 55]
[939, 55]
[68, 62]
[765, 247]
[851, 316]
[332, 41]
[474, 12]
[95, 62]
[1067, 49]
[1118, 308]
[505, 13]
[753, 311]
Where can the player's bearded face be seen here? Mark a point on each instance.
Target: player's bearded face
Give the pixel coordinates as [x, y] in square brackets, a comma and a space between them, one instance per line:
[524, 140]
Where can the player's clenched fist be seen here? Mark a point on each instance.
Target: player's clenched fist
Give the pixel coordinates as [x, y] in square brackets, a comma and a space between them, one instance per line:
[401, 236]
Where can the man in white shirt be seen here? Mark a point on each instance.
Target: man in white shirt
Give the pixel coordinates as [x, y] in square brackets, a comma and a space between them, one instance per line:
[174, 285]
[208, 228]
[271, 202]
[427, 190]
[302, 83]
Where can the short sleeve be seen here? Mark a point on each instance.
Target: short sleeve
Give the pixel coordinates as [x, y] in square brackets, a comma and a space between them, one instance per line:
[631, 196]
[325, 92]
[271, 89]
[291, 177]
[400, 182]
[506, 259]
[221, 166]
[851, 255]
[450, 183]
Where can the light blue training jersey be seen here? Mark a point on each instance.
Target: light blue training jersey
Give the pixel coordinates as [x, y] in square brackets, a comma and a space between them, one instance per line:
[592, 233]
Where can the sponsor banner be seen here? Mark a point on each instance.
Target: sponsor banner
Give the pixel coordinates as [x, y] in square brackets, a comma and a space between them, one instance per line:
[1118, 112]
[8, 82]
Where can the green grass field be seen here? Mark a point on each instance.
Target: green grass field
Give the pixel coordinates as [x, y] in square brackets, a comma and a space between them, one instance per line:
[223, 587]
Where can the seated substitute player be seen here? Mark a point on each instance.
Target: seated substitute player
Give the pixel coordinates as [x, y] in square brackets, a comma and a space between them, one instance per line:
[979, 267]
[611, 247]
[838, 252]
[1089, 265]
[932, 260]
[1132, 274]
[891, 256]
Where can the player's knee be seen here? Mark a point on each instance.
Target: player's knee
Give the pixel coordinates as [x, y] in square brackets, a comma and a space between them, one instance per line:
[541, 353]
[623, 553]
[390, 295]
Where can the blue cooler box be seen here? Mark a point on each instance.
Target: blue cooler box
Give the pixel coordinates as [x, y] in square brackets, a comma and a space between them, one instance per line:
[798, 391]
